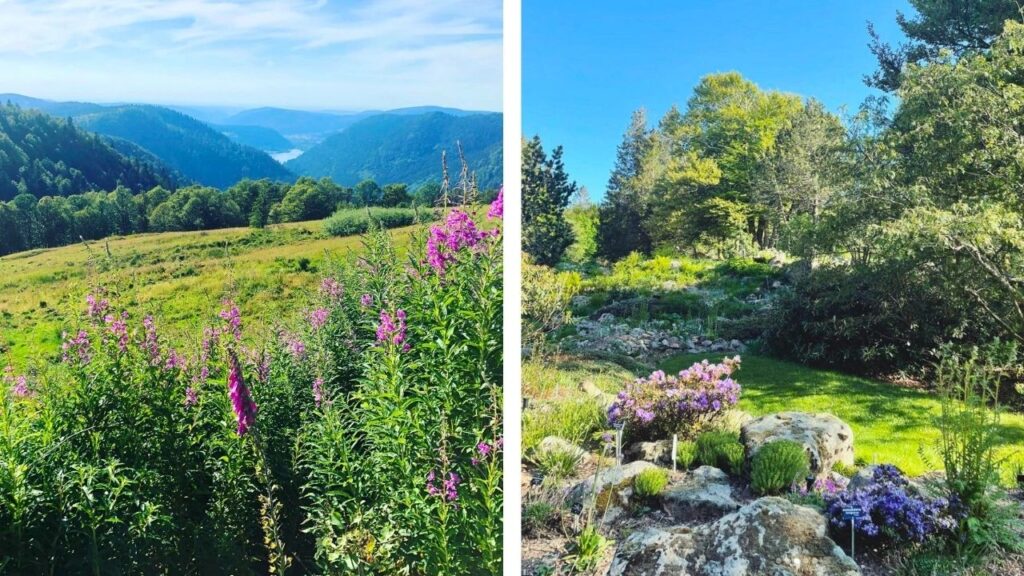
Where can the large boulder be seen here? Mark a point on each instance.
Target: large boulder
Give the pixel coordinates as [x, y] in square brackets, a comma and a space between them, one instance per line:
[659, 452]
[770, 536]
[699, 496]
[827, 439]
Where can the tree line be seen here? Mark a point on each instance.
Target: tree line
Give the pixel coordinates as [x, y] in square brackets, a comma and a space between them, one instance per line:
[28, 222]
[904, 217]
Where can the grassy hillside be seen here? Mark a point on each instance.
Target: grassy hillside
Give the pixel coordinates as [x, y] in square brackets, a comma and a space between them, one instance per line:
[180, 277]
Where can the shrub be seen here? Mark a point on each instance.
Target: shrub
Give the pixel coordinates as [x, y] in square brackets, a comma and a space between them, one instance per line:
[893, 510]
[720, 449]
[546, 303]
[661, 405]
[777, 466]
[353, 221]
[650, 483]
[686, 454]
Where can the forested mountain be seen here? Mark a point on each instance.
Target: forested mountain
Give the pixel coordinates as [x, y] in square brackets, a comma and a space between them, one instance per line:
[47, 156]
[60, 109]
[400, 148]
[295, 122]
[259, 137]
[189, 146]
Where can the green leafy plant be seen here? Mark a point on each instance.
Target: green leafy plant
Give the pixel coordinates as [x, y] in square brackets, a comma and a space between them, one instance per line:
[686, 454]
[650, 483]
[588, 548]
[556, 463]
[777, 466]
[721, 449]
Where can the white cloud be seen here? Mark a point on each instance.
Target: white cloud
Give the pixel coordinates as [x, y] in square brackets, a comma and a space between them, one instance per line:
[387, 51]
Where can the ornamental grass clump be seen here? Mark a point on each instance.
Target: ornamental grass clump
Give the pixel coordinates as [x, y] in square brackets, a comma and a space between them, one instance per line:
[650, 483]
[894, 510]
[660, 405]
[778, 466]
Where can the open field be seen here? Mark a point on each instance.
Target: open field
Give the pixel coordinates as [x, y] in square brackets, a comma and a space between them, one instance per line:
[179, 277]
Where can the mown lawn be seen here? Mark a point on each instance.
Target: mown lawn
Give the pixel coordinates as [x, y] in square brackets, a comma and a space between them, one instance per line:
[890, 424]
[179, 277]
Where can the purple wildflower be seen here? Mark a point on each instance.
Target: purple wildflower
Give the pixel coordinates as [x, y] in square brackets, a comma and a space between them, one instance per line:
[191, 397]
[484, 449]
[241, 400]
[294, 345]
[318, 391]
[77, 348]
[318, 318]
[118, 328]
[444, 242]
[497, 209]
[449, 489]
[152, 343]
[392, 329]
[233, 317]
[331, 288]
[95, 307]
[366, 300]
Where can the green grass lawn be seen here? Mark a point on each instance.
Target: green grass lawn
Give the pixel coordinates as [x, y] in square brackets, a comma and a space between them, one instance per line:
[179, 277]
[890, 424]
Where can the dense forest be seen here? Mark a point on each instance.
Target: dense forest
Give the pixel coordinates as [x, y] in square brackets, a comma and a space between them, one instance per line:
[199, 152]
[902, 221]
[407, 148]
[42, 155]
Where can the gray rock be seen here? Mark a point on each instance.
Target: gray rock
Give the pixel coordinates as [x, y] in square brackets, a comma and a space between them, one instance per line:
[659, 452]
[699, 496]
[827, 439]
[606, 318]
[770, 536]
[616, 478]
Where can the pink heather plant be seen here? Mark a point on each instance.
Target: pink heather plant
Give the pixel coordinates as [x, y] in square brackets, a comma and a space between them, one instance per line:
[444, 242]
[241, 400]
[331, 288]
[660, 405]
[497, 209]
[318, 318]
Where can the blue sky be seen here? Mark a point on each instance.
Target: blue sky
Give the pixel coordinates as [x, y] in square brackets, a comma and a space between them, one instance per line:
[586, 69]
[314, 54]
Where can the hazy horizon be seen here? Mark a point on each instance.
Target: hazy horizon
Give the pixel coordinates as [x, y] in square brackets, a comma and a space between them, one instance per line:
[313, 55]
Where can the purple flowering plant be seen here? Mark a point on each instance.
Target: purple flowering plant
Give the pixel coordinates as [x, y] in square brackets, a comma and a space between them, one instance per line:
[661, 404]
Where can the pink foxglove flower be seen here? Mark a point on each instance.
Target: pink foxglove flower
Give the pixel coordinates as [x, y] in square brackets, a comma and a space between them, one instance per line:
[241, 400]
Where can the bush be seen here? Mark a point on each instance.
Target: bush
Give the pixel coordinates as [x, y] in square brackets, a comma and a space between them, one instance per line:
[686, 454]
[893, 510]
[353, 221]
[658, 406]
[650, 483]
[720, 449]
[546, 303]
[777, 466]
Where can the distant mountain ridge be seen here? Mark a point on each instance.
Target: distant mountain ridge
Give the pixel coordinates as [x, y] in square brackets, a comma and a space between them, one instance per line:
[407, 148]
[187, 145]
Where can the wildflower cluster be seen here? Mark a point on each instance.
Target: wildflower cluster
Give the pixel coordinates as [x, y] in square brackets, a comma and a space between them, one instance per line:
[449, 487]
[662, 404]
[76, 348]
[330, 288]
[457, 233]
[893, 509]
[497, 208]
[18, 384]
[392, 329]
[485, 450]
